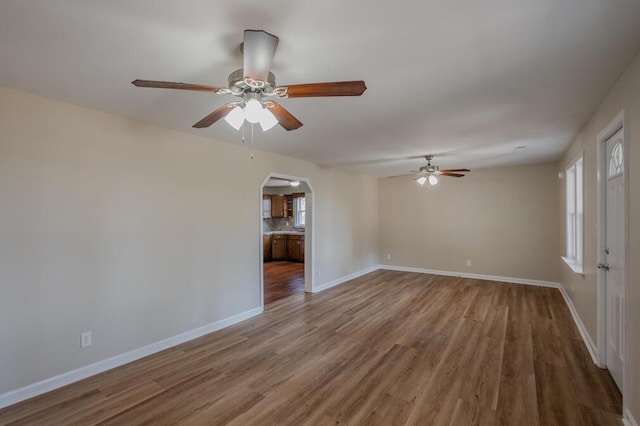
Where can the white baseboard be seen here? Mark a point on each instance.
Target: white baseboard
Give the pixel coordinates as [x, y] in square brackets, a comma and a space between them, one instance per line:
[342, 280]
[511, 280]
[581, 328]
[628, 419]
[64, 379]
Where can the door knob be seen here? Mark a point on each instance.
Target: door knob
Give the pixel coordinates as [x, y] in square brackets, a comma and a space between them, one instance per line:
[604, 266]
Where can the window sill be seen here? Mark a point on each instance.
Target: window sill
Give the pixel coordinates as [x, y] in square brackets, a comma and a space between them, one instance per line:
[573, 265]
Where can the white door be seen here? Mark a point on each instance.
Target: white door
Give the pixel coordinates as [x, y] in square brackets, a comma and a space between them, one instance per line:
[615, 256]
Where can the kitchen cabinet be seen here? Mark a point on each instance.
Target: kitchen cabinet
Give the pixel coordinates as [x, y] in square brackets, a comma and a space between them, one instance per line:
[288, 199]
[266, 248]
[301, 258]
[295, 248]
[266, 206]
[278, 247]
[281, 205]
[278, 205]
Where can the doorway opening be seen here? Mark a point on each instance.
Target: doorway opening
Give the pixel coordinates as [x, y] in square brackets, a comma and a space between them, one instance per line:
[286, 237]
[613, 250]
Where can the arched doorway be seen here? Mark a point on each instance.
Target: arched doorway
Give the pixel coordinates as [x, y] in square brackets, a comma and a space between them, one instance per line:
[286, 237]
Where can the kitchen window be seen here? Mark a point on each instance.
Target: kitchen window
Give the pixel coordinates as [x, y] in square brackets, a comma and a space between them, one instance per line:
[299, 207]
[574, 213]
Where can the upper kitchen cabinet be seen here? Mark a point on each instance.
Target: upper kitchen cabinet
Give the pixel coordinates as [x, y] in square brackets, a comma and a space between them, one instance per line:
[266, 206]
[289, 205]
[278, 206]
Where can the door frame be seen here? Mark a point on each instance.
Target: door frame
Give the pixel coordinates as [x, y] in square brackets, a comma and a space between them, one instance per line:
[309, 228]
[619, 122]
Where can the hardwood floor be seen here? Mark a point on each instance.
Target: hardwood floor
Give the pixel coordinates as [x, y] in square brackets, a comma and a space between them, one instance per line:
[282, 279]
[388, 348]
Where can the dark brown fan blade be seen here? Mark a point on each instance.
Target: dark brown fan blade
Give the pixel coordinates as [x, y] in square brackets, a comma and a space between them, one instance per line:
[215, 116]
[397, 176]
[445, 173]
[338, 88]
[173, 85]
[284, 117]
[456, 170]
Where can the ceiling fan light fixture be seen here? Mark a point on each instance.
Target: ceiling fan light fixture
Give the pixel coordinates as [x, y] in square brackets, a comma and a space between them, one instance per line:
[294, 183]
[235, 118]
[253, 111]
[267, 119]
[433, 180]
[421, 180]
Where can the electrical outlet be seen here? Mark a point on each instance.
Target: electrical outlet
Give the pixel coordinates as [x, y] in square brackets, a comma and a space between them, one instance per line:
[85, 339]
[468, 262]
[388, 256]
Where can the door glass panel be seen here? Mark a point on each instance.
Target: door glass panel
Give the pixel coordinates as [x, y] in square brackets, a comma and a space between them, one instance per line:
[615, 162]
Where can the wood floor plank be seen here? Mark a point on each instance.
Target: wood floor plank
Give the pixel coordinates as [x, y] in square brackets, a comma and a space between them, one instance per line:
[388, 348]
[517, 395]
[472, 413]
[282, 279]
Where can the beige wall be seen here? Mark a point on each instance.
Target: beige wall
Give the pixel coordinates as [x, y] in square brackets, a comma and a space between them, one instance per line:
[133, 231]
[582, 289]
[503, 219]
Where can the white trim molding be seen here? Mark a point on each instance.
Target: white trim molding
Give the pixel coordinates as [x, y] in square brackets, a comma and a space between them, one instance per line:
[344, 279]
[35, 389]
[511, 280]
[628, 419]
[593, 351]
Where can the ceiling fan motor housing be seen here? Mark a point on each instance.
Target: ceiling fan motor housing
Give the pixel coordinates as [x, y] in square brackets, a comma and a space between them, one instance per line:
[429, 169]
[239, 85]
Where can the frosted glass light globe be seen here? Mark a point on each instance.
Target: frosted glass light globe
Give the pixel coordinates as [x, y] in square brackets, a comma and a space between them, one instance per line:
[253, 111]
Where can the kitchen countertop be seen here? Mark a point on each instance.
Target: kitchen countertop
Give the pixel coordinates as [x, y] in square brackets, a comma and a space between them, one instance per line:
[284, 233]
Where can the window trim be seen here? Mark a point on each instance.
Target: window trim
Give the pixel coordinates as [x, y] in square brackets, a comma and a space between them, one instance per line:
[574, 215]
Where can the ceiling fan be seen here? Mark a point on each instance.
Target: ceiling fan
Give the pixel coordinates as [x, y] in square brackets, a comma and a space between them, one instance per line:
[255, 82]
[430, 173]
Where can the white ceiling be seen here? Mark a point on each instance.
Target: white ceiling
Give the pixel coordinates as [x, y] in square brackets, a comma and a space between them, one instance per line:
[273, 182]
[469, 80]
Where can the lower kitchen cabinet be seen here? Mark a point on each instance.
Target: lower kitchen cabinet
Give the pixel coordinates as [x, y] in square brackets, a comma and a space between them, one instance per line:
[266, 247]
[278, 247]
[283, 247]
[295, 248]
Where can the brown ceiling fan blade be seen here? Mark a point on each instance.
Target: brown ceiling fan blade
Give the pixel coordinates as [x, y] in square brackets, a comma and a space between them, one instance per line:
[284, 117]
[258, 50]
[443, 173]
[455, 170]
[338, 88]
[215, 116]
[397, 176]
[174, 85]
